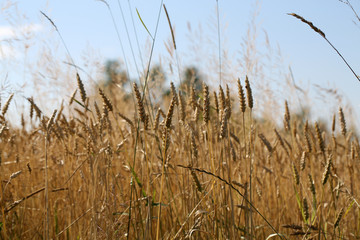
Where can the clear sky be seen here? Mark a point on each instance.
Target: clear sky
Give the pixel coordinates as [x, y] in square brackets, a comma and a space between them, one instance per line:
[88, 31]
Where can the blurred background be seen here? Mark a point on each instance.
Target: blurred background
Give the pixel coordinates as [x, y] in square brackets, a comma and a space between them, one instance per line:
[110, 43]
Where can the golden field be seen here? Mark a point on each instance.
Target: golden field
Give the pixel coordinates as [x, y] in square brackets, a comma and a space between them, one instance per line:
[201, 167]
[148, 159]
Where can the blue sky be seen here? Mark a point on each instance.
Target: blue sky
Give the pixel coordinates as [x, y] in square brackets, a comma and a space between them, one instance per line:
[87, 29]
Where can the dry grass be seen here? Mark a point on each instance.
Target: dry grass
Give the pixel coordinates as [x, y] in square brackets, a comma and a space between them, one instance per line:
[193, 163]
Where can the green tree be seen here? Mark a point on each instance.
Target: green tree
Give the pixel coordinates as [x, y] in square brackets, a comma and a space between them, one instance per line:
[114, 74]
[192, 77]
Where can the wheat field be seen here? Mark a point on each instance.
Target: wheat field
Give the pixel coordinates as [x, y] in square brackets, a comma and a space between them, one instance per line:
[200, 162]
[203, 167]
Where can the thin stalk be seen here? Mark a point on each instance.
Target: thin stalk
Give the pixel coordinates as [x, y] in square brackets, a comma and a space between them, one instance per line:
[213, 168]
[47, 218]
[251, 154]
[219, 40]
[107, 202]
[128, 36]
[146, 161]
[356, 15]
[230, 180]
[136, 36]
[117, 125]
[119, 38]
[146, 88]
[61, 38]
[138, 123]
[322, 34]
[178, 67]
[82, 215]
[320, 217]
[192, 212]
[174, 44]
[93, 197]
[161, 185]
[347, 64]
[120, 42]
[243, 140]
[296, 90]
[131, 180]
[2, 201]
[47, 134]
[242, 195]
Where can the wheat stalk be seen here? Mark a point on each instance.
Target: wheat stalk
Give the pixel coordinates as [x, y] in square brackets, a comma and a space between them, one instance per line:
[342, 121]
[206, 106]
[6, 105]
[106, 101]
[321, 33]
[319, 137]
[249, 96]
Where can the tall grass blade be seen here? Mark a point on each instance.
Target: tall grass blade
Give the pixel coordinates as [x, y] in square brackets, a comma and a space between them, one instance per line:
[144, 24]
[311, 25]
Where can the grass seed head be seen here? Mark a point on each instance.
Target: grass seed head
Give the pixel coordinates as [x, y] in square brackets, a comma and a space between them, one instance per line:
[165, 140]
[266, 142]
[35, 107]
[295, 174]
[308, 145]
[287, 117]
[140, 106]
[193, 98]
[333, 124]
[7, 104]
[241, 96]
[182, 107]
[319, 138]
[342, 121]
[327, 170]
[174, 94]
[308, 23]
[157, 119]
[51, 120]
[224, 122]
[72, 97]
[170, 113]
[15, 174]
[311, 185]
[194, 148]
[206, 106]
[81, 88]
[306, 209]
[222, 98]
[249, 93]
[127, 120]
[338, 218]
[97, 110]
[228, 101]
[303, 161]
[196, 180]
[216, 102]
[106, 101]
